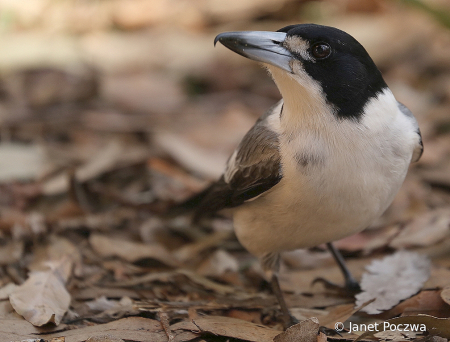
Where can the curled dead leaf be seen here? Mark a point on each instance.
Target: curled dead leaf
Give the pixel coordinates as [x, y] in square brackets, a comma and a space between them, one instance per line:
[7, 290]
[43, 298]
[425, 302]
[218, 263]
[131, 251]
[12, 252]
[445, 295]
[305, 331]
[321, 337]
[104, 338]
[424, 230]
[230, 327]
[392, 279]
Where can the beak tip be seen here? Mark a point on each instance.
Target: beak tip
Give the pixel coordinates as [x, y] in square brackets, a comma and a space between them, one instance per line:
[217, 39]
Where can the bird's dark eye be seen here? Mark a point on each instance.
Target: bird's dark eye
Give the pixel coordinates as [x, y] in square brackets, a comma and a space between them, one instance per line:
[321, 50]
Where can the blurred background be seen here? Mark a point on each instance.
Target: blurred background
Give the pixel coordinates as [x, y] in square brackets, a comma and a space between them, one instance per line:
[121, 107]
[131, 79]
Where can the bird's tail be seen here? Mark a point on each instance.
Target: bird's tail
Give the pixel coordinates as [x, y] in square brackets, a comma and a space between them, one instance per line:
[190, 205]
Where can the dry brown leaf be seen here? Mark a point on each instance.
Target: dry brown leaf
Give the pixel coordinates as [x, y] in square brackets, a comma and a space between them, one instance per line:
[392, 279]
[67, 210]
[195, 158]
[13, 329]
[136, 329]
[20, 224]
[7, 290]
[56, 249]
[112, 308]
[339, 313]
[97, 221]
[130, 251]
[191, 251]
[96, 292]
[230, 327]
[436, 176]
[147, 278]
[324, 299]
[321, 337]
[104, 338]
[327, 318]
[101, 304]
[169, 276]
[432, 338]
[21, 161]
[165, 324]
[176, 173]
[425, 230]
[253, 316]
[439, 278]
[11, 252]
[218, 263]
[206, 283]
[397, 336]
[368, 240]
[113, 155]
[445, 295]
[425, 302]
[7, 311]
[302, 313]
[43, 297]
[305, 331]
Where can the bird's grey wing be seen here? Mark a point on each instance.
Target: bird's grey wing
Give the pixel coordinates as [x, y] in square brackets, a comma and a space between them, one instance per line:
[253, 168]
[418, 150]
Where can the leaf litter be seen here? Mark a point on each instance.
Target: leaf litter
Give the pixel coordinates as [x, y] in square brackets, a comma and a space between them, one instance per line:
[43, 297]
[391, 280]
[109, 133]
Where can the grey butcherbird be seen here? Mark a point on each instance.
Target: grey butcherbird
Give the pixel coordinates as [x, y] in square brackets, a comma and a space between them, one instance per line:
[324, 162]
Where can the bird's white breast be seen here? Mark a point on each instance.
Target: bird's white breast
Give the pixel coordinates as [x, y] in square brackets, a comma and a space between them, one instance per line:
[338, 177]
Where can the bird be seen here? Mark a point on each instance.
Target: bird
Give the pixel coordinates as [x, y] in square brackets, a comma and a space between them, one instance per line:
[325, 161]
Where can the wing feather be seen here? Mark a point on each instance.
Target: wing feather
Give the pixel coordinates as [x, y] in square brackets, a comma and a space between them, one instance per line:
[419, 148]
[251, 170]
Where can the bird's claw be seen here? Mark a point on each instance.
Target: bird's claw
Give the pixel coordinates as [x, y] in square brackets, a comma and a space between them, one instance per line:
[351, 287]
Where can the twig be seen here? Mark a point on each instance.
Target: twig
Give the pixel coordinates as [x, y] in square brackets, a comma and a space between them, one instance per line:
[164, 320]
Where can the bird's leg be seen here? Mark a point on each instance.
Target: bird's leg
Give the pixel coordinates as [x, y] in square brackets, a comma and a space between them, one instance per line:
[271, 264]
[288, 319]
[350, 283]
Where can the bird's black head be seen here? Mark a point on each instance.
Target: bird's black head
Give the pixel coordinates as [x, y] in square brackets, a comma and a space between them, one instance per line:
[332, 58]
[344, 69]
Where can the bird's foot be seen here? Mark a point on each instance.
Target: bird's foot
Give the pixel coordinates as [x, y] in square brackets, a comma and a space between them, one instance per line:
[351, 286]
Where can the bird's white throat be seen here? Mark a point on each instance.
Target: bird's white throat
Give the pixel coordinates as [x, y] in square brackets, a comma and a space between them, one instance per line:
[305, 106]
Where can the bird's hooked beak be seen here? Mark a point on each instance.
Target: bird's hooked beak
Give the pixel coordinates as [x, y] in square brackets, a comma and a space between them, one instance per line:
[260, 46]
